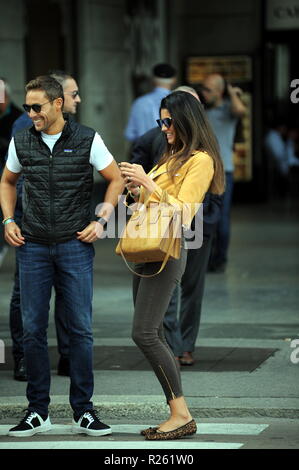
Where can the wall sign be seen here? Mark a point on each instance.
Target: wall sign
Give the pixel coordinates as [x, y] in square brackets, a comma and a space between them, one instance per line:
[282, 14]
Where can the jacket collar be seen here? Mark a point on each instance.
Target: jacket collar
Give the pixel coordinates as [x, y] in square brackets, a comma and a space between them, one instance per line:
[154, 173]
[66, 131]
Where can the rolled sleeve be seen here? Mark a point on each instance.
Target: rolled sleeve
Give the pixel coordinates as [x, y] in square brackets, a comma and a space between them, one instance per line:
[12, 162]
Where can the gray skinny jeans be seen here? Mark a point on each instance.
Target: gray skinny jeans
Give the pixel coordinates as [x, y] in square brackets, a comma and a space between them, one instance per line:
[151, 299]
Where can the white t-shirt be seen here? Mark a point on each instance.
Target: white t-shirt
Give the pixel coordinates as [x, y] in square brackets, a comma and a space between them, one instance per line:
[100, 157]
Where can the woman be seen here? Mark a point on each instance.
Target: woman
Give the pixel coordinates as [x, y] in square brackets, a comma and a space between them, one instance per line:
[189, 168]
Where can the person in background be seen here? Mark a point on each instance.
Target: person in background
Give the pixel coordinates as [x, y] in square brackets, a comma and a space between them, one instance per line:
[145, 109]
[190, 166]
[281, 147]
[224, 108]
[9, 112]
[71, 101]
[182, 317]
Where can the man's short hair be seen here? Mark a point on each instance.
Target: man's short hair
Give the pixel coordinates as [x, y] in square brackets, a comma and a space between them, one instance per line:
[164, 71]
[60, 75]
[48, 84]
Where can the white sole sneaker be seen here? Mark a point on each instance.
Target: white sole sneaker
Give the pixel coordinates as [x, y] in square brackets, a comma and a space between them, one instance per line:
[76, 429]
[46, 426]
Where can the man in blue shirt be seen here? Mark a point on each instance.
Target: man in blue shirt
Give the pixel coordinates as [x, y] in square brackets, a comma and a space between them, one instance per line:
[223, 113]
[145, 109]
[9, 112]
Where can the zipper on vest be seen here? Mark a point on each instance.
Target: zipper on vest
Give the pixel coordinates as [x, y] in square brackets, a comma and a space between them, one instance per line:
[51, 195]
[171, 391]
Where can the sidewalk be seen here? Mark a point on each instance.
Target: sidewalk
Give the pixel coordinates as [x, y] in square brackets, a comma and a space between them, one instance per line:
[243, 352]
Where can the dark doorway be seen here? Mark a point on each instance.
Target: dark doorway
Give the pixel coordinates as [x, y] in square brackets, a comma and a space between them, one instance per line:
[51, 39]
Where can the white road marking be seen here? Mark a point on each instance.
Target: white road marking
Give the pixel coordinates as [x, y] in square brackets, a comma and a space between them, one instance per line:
[119, 445]
[202, 429]
[112, 442]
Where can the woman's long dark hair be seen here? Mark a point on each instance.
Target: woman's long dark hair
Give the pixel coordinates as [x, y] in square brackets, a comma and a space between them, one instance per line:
[193, 132]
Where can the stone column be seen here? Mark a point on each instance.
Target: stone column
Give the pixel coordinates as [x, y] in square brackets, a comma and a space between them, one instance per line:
[12, 56]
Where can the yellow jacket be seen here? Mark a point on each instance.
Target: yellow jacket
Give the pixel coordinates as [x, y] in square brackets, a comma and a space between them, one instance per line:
[189, 187]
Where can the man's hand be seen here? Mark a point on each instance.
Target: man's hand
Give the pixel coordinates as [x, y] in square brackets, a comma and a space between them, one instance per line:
[234, 90]
[12, 234]
[237, 106]
[91, 233]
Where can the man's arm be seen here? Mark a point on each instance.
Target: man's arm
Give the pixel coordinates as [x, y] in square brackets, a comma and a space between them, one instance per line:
[115, 188]
[237, 106]
[8, 198]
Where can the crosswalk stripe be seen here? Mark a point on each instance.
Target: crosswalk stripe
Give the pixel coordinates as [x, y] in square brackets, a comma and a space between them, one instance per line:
[112, 442]
[119, 445]
[202, 428]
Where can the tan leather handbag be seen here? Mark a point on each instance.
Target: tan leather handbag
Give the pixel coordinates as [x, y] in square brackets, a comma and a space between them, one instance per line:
[152, 234]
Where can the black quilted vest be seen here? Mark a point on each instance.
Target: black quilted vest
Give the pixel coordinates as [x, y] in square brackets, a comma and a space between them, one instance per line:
[57, 185]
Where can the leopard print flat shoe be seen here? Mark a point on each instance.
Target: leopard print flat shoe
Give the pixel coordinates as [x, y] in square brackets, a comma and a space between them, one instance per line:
[144, 432]
[183, 431]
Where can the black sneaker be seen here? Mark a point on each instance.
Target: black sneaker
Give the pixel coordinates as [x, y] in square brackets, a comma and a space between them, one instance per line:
[20, 371]
[31, 424]
[90, 424]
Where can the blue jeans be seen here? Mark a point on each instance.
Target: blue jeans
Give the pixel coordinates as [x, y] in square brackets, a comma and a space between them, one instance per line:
[15, 317]
[70, 264]
[16, 325]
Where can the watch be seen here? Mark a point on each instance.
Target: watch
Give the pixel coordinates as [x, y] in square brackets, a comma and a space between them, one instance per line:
[102, 221]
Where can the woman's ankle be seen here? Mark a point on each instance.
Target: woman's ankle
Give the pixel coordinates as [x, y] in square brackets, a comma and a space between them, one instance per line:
[179, 409]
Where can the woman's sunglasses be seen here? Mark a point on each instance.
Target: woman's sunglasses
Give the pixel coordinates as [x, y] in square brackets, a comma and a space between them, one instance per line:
[36, 107]
[167, 122]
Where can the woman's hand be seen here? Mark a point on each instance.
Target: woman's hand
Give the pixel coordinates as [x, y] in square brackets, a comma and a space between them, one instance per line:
[134, 189]
[134, 175]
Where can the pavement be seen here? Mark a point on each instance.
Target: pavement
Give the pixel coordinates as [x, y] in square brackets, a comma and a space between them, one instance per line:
[247, 364]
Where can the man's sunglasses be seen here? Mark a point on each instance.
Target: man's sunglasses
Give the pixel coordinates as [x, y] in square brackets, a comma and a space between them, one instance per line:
[73, 94]
[167, 122]
[36, 107]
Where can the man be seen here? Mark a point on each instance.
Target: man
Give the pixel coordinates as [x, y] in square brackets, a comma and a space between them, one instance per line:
[9, 112]
[56, 156]
[145, 109]
[71, 100]
[181, 325]
[223, 114]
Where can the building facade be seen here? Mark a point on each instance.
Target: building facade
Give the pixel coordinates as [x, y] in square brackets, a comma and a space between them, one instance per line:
[110, 47]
